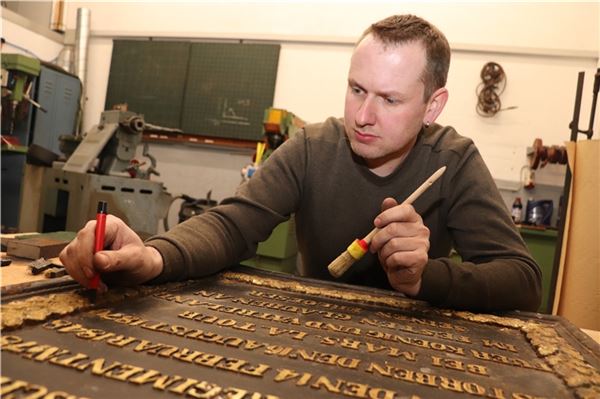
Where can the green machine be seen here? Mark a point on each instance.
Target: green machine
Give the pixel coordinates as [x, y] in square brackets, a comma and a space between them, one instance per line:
[40, 102]
[279, 251]
[18, 74]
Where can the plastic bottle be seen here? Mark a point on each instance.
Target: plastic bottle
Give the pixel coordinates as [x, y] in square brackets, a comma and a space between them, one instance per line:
[517, 210]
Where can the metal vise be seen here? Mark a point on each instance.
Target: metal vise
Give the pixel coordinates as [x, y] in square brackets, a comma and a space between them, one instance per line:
[114, 142]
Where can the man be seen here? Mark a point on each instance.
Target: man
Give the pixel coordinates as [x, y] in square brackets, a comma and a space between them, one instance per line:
[342, 177]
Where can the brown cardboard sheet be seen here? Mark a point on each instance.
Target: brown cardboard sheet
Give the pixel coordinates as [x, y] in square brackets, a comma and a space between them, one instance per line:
[578, 285]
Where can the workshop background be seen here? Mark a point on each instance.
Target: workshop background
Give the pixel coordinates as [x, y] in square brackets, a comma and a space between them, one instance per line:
[541, 46]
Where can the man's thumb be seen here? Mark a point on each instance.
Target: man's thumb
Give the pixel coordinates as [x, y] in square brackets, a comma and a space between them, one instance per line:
[388, 203]
[109, 261]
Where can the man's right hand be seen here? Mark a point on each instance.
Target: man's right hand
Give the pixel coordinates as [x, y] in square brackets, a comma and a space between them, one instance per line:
[125, 260]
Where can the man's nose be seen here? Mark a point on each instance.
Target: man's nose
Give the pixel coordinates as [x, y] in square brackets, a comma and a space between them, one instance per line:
[366, 113]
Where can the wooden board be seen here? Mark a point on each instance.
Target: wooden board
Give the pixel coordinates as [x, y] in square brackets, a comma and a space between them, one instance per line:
[18, 272]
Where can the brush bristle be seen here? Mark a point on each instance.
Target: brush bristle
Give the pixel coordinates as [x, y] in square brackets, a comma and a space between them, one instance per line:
[341, 264]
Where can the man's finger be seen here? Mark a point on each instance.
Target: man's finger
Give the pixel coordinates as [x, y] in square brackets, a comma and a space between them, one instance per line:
[83, 247]
[400, 245]
[398, 213]
[113, 261]
[73, 268]
[388, 203]
[403, 275]
[124, 259]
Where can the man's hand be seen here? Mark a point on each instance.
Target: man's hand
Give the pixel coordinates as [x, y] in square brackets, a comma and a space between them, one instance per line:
[401, 243]
[127, 260]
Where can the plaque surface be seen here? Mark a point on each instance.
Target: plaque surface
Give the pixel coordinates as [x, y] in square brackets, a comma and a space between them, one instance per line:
[247, 334]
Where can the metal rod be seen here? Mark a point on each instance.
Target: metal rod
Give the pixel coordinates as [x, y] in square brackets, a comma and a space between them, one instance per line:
[590, 130]
[574, 125]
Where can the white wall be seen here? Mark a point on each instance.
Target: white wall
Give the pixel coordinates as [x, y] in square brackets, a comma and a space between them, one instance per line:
[541, 46]
[42, 47]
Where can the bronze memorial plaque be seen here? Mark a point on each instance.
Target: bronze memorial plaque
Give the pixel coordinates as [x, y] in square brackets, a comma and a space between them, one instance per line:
[247, 334]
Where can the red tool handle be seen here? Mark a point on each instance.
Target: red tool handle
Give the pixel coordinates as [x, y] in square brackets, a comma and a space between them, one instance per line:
[99, 237]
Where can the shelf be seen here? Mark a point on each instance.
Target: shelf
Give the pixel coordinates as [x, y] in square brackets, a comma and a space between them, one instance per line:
[194, 139]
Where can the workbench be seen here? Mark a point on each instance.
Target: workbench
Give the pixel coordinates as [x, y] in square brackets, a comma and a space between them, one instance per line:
[17, 277]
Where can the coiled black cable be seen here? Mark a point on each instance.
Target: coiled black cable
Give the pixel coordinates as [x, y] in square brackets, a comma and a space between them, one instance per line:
[493, 83]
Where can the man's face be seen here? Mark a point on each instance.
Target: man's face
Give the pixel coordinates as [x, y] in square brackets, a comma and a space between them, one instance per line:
[384, 107]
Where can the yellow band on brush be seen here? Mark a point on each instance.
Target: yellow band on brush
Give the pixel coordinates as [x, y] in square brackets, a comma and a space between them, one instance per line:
[357, 249]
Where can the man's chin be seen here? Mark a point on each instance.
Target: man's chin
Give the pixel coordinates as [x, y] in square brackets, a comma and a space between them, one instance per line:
[366, 152]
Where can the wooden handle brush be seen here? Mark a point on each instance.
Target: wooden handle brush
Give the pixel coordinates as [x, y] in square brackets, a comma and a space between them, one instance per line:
[359, 247]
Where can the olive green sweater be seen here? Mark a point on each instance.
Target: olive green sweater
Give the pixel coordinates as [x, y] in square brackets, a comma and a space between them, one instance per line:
[335, 199]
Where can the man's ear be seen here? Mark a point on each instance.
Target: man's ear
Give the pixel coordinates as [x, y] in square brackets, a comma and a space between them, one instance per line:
[435, 105]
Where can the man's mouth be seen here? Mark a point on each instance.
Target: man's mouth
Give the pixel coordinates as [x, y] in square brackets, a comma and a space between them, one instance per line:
[364, 137]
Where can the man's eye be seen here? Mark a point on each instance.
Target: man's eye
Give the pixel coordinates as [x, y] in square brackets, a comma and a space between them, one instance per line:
[391, 101]
[356, 90]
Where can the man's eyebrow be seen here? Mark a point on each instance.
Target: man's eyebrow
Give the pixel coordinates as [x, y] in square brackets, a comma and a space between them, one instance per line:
[383, 93]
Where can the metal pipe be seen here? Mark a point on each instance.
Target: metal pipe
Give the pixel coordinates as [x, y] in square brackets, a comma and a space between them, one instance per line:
[82, 35]
[57, 17]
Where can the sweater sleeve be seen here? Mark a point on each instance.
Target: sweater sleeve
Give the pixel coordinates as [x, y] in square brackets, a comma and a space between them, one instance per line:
[497, 272]
[230, 232]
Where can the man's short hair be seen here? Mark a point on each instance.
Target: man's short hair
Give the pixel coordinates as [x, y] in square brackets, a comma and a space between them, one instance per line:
[400, 29]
